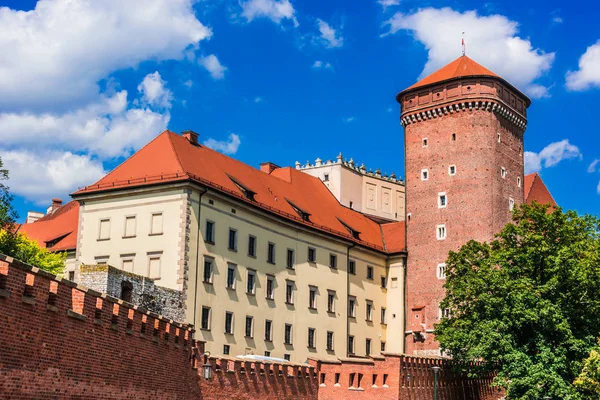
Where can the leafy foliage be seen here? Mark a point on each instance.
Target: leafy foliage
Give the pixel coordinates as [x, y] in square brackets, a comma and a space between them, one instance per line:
[588, 381]
[8, 215]
[30, 252]
[527, 302]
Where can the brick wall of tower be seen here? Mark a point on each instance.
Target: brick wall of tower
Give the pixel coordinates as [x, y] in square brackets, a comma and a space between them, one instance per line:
[477, 195]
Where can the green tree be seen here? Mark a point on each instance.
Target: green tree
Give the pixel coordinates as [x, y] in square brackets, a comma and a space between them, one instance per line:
[30, 252]
[588, 381]
[527, 303]
[8, 215]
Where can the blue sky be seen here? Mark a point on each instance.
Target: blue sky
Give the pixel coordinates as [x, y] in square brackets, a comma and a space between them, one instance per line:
[84, 84]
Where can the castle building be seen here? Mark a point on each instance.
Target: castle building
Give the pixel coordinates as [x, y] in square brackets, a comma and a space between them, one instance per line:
[326, 260]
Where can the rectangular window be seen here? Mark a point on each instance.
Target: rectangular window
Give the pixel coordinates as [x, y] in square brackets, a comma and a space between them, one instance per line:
[382, 347]
[369, 272]
[425, 142]
[337, 378]
[232, 243]
[270, 292]
[350, 344]
[330, 341]
[249, 326]
[385, 377]
[312, 297]
[251, 246]
[71, 275]
[352, 307]
[128, 265]
[352, 267]
[251, 283]
[325, 177]
[511, 204]
[441, 271]
[441, 232]
[208, 270]
[154, 267]
[231, 272]
[311, 338]
[225, 349]
[287, 357]
[229, 322]
[442, 200]
[268, 330]
[330, 301]
[129, 227]
[452, 170]
[289, 292]
[369, 311]
[519, 181]
[104, 229]
[267, 353]
[332, 261]
[503, 172]
[209, 235]
[498, 137]
[424, 174]
[271, 253]
[156, 224]
[205, 323]
[289, 261]
[383, 316]
[383, 281]
[368, 347]
[287, 337]
[444, 313]
[322, 379]
[312, 254]
[374, 380]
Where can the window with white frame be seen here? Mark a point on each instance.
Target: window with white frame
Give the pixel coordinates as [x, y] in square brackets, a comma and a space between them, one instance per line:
[518, 181]
[383, 315]
[205, 320]
[511, 204]
[287, 334]
[440, 232]
[441, 271]
[312, 297]
[424, 174]
[498, 137]
[289, 292]
[231, 275]
[289, 260]
[251, 282]
[425, 142]
[444, 313]
[229, 322]
[452, 170]
[442, 200]
[350, 344]
[130, 225]
[330, 301]
[104, 229]
[329, 340]
[503, 172]
[369, 310]
[367, 346]
[156, 224]
[249, 329]
[209, 264]
[352, 306]
[268, 330]
[270, 290]
[312, 338]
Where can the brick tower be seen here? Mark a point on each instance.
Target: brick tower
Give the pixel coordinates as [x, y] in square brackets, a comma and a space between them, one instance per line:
[463, 143]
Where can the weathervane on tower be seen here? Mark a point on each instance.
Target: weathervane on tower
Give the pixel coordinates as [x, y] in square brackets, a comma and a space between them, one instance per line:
[463, 44]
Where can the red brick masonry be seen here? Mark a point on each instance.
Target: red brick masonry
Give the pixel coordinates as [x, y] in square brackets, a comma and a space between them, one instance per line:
[59, 340]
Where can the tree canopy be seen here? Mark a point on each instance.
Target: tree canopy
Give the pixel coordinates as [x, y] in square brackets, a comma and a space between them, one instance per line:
[24, 249]
[528, 302]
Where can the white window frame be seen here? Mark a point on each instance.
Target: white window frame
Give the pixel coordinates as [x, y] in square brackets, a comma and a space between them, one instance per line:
[450, 170]
[332, 335]
[444, 313]
[232, 323]
[351, 306]
[312, 345]
[424, 142]
[209, 318]
[312, 301]
[518, 181]
[251, 272]
[503, 172]
[251, 327]
[332, 308]
[369, 310]
[440, 232]
[383, 314]
[269, 332]
[291, 341]
[511, 204]
[290, 284]
[424, 174]
[212, 269]
[270, 296]
[440, 195]
[499, 137]
[441, 271]
[231, 267]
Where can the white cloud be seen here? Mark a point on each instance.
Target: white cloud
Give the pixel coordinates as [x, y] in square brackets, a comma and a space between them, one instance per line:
[492, 41]
[348, 119]
[588, 74]
[41, 176]
[229, 146]
[388, 3]
[54, 55]
[320, 64]
[276, 10]
[258, 99]
[550, 156]
[557, 20]
[154, 92]
[212, 64]
[592, 167]
[598, 188]
[329, 36]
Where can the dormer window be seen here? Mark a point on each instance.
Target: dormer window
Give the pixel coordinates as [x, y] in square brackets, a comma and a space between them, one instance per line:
[247, 192]
[301, 213]
[355, 234]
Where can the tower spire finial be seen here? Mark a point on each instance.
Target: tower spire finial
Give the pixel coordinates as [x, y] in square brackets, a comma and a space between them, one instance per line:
[464, 48]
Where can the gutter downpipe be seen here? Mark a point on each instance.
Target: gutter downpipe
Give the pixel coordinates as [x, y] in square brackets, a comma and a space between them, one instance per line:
[348, 295]
[198, 254]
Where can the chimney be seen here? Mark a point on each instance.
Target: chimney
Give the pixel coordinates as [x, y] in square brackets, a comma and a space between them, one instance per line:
[268, 167]
[33, 216]
[56, 204]
[191, 136]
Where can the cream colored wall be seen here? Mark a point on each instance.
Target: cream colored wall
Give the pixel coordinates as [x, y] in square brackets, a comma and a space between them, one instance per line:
[350, 188]
[387, 201]
[284, 235]
[169, 201]
[395, 301]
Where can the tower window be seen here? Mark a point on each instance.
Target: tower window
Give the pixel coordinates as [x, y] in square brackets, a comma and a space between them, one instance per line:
[444, 313]
[424, 174]
[441, 232]
[442, 200]
[326, 178]
[454, 136]
[511, 204]
[518, 181]
[441, 271]
[498, 137]
[452, 170]
[425, 142]
[503, 172]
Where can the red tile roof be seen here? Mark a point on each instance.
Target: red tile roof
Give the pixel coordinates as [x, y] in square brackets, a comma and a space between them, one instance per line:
[285, 192]
[59, 227]
[536, 190]
[394, 236]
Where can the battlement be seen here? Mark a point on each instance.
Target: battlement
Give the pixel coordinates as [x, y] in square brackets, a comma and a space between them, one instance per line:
[352, 165]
